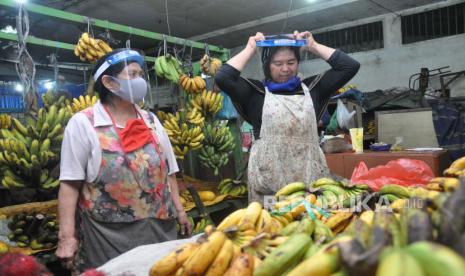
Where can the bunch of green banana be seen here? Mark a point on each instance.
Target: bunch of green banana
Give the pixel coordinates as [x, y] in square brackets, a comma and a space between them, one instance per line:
[81, 103]
[217, 146]
[168, 67]
[182, 137]
[291, 189]
[27, 154]
[393, 192]
[208, 102]
[334, 193]
[435, 259]
[37, 231]
[200, 226]
[49, 99]
[285, 256]
[5, 121]
[230, 187]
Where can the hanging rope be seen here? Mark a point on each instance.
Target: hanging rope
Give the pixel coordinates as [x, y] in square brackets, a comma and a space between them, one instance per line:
[25, 67]
[167, 17]
[287, 17]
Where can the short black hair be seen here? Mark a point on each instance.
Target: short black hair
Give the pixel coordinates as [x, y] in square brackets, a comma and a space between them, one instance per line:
[113, 70]
[269, 52]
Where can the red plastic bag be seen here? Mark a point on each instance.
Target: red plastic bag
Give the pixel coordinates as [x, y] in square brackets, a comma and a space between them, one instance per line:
[405, 172]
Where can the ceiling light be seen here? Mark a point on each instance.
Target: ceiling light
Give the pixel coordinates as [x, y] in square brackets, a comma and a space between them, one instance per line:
[21, 1]
[48, 85]
[19, 87]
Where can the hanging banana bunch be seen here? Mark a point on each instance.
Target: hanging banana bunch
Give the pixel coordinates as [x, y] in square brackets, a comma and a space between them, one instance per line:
[209, 103]
[90, 49]
[81, 103]
[209, 66]
[195, 116]
[182, 137]
[29, 152]
[168, 67]
[217, 146]
[192, 85]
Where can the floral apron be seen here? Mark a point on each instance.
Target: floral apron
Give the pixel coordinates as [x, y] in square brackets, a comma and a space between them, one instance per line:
[288, 149]
[127, 205]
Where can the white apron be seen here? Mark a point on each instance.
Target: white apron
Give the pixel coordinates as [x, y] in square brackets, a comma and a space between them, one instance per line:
[288, 149]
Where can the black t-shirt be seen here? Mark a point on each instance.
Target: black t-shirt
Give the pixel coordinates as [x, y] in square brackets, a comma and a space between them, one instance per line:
[248, 95]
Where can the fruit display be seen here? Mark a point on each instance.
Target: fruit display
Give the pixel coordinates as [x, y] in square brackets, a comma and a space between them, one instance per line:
[208, 102]
[230, 187]
[182, 136]
[217, 146]
[28, 153]
[192, 85]
[329, 227]
[36, 230]
[90, 49]
[209, 65]
[168, 67]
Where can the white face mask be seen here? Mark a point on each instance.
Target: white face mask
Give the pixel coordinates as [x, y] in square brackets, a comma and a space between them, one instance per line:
[133, 90]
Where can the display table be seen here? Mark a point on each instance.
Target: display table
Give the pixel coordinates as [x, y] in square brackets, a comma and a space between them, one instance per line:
[343, 164]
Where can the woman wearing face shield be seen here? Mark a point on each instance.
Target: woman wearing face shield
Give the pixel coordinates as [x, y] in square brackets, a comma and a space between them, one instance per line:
[117, 171]
[284, 110]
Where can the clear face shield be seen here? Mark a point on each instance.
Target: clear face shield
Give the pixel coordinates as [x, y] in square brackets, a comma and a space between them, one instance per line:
[131, 83]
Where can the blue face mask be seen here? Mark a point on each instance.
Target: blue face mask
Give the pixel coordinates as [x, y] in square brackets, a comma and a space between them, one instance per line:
[290, 86]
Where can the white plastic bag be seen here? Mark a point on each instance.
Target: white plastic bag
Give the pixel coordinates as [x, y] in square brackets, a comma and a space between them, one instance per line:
[343, 115]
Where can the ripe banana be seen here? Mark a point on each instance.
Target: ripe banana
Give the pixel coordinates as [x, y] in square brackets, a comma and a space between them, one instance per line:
[290, 188]
[173, 261]
[242, 265]
[90, 49]
[221, 263]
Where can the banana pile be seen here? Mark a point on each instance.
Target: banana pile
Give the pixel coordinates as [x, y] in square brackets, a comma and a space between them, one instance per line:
[182, 137]
[209, 66]
[29, 153]
[409, 236]
[217, 146]
[90, 49]
[209, 102]
[456, 169]
[192, 85]
[168, 67]
[5, 121]
[37, 231]
[443, 184]
[230, 187]
[81, 103]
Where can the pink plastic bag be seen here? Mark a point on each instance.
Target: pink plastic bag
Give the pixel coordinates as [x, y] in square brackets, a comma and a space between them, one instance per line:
[405, 172]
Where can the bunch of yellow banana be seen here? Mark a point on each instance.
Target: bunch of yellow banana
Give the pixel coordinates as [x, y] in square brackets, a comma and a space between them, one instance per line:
[371, 127]
[168, 67]
[209, 65]
[209, 102]
[182, 137]
[338, 221]
[162, 116]
[230, 187]
[456, 169]
[90, 49]
[443, 184]
[192, 85]
[81, 103]
[5, 121]
[27, 153]
[195, 116]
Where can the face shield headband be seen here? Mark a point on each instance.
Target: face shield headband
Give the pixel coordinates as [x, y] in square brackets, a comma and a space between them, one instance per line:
[126, 55]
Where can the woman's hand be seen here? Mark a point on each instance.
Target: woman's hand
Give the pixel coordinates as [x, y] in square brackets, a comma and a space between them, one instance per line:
[67, 248]
[252, 42]
[184, 223]
[311, 43]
